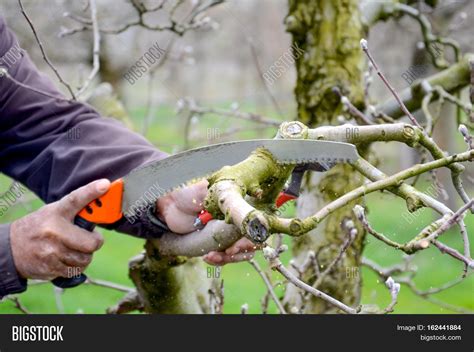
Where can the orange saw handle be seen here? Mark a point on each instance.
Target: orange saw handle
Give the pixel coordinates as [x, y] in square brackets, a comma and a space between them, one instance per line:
[106, 209]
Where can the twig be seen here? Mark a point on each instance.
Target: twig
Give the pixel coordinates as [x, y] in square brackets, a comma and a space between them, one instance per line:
[230, 132]
[396, 269]
[191, 21]
[444, 95]
[454, 253]
[350, 237]
[149, 111]
[394, 288]
[359, 212]
[43, 52]
[367, 83]
[426, 111]
[452, 79]
[396, 179]
[272, 256]
[95, 50]
[269, 285]
[108, 284]
[354, 111]
[260, 76]
[467, 137]
[430, 39]
[420, 242]
[58, 299]
[315, 292]
[94, 282]
[4, 73]
[265, 301]
[471, 81]
[365, 48]
[194, 108]
[458, 186]
[310, 262]
[83, 20]
[451, 221]
[408, 134]
[129, 303]
[18, 304]
[448, 306]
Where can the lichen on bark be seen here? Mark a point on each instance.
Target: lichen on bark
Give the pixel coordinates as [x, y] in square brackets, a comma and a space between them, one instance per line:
[244, 193]
[328, 32]
[259, 176]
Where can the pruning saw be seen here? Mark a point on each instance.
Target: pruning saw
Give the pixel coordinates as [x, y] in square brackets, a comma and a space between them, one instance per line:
[131, 193]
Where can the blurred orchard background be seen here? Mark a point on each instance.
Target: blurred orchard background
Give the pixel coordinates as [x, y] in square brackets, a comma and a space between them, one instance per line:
[217, 66]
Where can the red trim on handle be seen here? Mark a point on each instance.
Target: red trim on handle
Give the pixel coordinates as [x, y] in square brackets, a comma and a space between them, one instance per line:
[204, 217]
[283, 198]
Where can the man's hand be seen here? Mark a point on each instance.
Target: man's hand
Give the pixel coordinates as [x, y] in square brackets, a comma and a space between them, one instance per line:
[241, 250]
[179, 210]
[46, 244]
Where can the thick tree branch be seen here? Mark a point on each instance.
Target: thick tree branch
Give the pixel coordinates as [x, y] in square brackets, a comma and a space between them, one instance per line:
[215, 236]
[452, 79]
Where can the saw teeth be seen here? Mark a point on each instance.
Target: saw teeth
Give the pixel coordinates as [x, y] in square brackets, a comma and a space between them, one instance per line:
[284, 162]
[183, 185]
[324, 159]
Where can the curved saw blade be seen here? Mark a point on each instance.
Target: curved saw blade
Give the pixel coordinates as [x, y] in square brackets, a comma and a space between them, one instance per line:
[146, 184]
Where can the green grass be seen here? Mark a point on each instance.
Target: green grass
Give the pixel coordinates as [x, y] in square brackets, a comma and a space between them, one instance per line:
[242, 283]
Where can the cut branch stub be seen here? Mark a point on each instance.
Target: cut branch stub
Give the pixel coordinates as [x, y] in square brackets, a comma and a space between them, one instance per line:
[292, 130]
[257, 227]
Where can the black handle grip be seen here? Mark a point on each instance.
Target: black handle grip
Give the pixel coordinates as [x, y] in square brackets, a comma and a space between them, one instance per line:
[75, 280]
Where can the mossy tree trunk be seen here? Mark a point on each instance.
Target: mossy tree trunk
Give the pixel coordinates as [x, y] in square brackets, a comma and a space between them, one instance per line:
[329, 32]
[170, 285]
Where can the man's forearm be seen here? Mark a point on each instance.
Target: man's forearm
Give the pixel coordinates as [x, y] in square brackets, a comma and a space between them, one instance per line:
[54, 146]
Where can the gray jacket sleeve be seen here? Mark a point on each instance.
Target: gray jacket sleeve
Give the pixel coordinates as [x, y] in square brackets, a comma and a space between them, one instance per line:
[54, 146]
[10, 282]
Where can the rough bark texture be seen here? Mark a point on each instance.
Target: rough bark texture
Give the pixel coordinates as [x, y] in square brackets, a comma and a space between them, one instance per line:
[329, 31]
[170, 285]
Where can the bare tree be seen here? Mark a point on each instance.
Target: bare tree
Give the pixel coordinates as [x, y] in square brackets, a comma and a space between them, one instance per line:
[334, 66]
